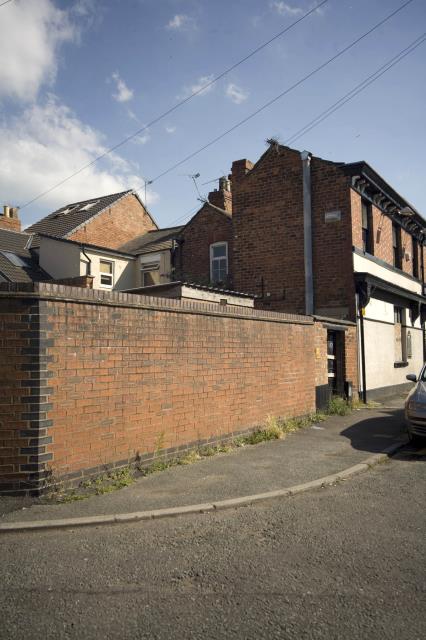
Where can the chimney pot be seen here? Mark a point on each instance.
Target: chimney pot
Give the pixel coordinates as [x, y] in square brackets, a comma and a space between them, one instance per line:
[6, 210]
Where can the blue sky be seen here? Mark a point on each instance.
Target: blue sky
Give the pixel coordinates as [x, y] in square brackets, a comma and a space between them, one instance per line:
[77, 77]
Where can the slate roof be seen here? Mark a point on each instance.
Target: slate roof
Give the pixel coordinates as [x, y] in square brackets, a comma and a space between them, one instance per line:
[155, 240]
[17, 243]
[65, 220]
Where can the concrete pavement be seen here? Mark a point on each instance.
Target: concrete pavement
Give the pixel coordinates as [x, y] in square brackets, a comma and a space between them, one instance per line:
[313, 453]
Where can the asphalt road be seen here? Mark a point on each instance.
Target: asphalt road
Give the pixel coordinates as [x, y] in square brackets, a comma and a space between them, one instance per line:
[342, 562]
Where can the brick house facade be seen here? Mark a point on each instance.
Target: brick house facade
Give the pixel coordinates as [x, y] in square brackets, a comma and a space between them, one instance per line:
[210, 226]
[109, 221]
[335, 241]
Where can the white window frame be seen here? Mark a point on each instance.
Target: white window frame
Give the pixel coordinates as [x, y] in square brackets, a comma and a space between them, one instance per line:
[212, 247]
[102, 284]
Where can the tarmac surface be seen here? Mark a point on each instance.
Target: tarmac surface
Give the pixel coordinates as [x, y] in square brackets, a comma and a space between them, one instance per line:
[321, 450]
[347, 561]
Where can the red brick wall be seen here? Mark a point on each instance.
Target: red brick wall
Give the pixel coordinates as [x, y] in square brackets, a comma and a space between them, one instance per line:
[268, 229]
[116, 380]
[268, 234]
[193, 259]
[334, 289]
[382, 235]
[117, 225]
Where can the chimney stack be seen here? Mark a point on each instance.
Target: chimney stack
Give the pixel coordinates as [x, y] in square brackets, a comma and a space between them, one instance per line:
[222, 198]
[9, 218]
[240, 168]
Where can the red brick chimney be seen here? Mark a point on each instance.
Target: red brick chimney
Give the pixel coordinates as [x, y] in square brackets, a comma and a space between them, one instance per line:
[222, 197]
[9, 218]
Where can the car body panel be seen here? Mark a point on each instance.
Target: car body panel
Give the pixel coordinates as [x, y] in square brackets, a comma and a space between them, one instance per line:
[415, 408]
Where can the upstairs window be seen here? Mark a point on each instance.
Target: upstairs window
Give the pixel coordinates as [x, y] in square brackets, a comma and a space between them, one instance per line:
[415, 256]
[218, 261]
[367, 228]
[106, 269]
[396, 242]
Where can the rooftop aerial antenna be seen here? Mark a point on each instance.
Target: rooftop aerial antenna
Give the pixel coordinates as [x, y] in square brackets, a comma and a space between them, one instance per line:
[145, 183]
[194, 177]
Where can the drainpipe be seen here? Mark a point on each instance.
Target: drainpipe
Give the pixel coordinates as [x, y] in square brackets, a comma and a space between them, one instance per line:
[307, 232]
[89, 262]
[423, 324]
[363, 367]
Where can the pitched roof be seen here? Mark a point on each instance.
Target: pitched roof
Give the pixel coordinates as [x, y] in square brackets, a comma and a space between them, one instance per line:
[65, 220]
[17, 263]
[155, 240]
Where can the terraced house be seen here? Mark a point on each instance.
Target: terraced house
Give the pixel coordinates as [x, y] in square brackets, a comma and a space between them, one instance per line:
[328, 239]
[298, 233]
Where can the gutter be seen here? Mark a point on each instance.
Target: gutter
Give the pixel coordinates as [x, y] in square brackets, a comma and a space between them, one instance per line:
[89, 261]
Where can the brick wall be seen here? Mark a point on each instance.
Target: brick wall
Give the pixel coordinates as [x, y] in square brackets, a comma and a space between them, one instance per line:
[103, 378]
[334, 289]
[24, 393]
[117, 225]
[208, 226]
[268, 229]
[86, 282]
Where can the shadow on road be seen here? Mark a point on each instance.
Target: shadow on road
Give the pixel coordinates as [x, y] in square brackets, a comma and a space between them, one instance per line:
[376, 434]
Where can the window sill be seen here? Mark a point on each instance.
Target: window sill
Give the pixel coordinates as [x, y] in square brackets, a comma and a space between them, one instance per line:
[400, 364]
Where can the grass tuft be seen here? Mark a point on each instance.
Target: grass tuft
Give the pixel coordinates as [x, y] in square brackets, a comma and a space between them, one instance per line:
[338, 406]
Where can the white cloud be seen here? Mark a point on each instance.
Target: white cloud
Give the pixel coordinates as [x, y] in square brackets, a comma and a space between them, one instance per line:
[181, 22]
[143, 138]
[235, 93]
[285, 9]
[30, 35]
[123, 93]
[197, 87]
[170, 129]
[47, 143]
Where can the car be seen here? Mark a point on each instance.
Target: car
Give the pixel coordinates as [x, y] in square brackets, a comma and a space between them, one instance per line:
[415, 408]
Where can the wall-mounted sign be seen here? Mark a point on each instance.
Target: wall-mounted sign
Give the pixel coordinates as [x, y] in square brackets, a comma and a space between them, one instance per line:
[332, 216]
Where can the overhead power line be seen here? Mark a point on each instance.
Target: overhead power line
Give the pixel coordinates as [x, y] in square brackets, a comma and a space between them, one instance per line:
[358, 89]
[3, 3]
[283, 93]
[181, 102]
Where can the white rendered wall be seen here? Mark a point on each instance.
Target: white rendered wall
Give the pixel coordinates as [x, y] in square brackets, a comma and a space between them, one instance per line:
[362, 264]
[59, 259]
[379, 337]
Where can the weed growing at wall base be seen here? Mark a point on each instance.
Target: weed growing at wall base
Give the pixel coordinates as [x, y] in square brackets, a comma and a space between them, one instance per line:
[273, 429]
